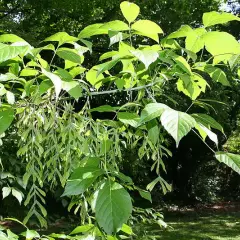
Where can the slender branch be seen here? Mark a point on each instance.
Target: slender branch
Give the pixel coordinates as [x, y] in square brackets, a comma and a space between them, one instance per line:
[114, 91]
[189, 107]
[125, 90]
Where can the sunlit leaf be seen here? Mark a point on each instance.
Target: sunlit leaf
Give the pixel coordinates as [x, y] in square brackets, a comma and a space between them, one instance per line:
[17, 194]
[221, 45]
[61, 38]
[6, 191]
[70, 55]
[194, 40]
[8, 52]
[183, 31]
[56, 80]
[151, 111]
[204, 132]
[129, 10]
[213, 18]
[92, 30]
[95, 80]
[115, 25]
[147, 28]
[178, 124]
[145, 56]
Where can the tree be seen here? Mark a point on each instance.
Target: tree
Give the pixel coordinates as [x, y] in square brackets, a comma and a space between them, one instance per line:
[60, 145]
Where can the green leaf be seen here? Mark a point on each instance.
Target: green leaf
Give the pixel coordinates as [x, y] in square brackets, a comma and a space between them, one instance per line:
[10, 97]
[14, 68]
[221, 45]
[153, 131]
[116, 37]
[115, 25]
[191, 86]
[7, 77]
[106, 66]
[145, 194]
[178, 124]
[231, 160]
[94, 29]
[61, 38]
[183, 31]
[11, 235]
[28, 72]
[151, 111]
[82, 229]
[104, 108]
[204, 132]
[145, 56]
[31, 234]
[81, 179]
[6, 117]
[45, 86]
[165, 186]
[130, 11]
[94, 79]
[207, 121]
[113, 206]
[70, 55]
[213, 18]
[129, 118]
[36, 51]
[10, 38]
[5, 192]
[17, 194]
[73, 88]
[108, 55]
[147, 28]
[8, 52]
[194, 40]
[56, 80]
[127, 229]
[217, 75]
[183, 64]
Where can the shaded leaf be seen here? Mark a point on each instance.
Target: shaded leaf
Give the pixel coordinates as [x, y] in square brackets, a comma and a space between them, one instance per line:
[6, 117]
[129, 118]
[81, 179]
[113, 206]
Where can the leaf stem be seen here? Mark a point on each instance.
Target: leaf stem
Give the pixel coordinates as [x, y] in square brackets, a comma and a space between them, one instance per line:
[203, 141]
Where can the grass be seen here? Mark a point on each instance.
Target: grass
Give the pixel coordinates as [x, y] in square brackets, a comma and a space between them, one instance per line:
[224, 226]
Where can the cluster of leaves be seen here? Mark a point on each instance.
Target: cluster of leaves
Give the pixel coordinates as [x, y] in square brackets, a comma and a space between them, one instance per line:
[88, 231]
[59, 144]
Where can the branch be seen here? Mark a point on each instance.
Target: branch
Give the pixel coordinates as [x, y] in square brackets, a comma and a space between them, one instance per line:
[125, 90]
[115, 91]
